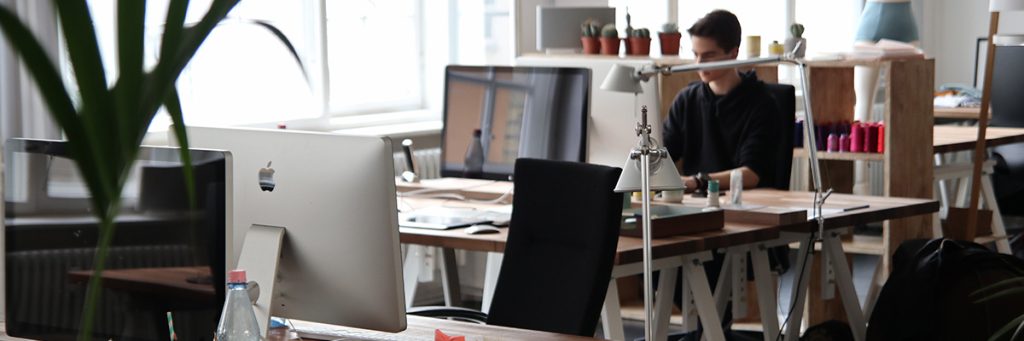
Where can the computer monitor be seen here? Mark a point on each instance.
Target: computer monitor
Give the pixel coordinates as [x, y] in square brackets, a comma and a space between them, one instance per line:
[50, 236]
[534, 112]
[334, 196]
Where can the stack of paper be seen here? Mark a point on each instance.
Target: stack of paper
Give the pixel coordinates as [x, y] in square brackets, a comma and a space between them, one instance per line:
[885, 49]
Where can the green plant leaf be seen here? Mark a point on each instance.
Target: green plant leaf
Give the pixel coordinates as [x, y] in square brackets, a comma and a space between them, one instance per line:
[84, 53]
[131, 29]
[284, 40]
[1001, 294]
[173, 105]
[1007, 328]
[997, 286]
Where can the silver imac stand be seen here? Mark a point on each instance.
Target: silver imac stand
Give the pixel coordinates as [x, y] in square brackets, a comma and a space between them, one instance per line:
[260, 255]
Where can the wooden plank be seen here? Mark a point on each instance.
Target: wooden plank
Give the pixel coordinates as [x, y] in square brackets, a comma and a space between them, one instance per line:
[909, 165]
[959, 113]
[832, 96]
[422, 328]
[800, 152]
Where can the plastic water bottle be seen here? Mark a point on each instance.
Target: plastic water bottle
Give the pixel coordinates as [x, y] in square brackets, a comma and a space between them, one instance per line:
[475, 158]
[238, 320]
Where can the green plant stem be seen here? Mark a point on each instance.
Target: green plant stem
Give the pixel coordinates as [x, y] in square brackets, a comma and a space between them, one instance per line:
[95, 288]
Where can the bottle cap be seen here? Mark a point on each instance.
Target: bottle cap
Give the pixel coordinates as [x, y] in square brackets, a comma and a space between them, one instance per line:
[236, 276]
[712, 186]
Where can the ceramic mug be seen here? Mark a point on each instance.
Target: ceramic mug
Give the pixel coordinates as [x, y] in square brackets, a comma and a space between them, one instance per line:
[753, 46]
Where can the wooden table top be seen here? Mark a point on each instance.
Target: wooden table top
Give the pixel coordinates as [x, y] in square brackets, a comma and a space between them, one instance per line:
[957, 138]
[629, 249]
[879, 208]
[171, 282]
[422, 328]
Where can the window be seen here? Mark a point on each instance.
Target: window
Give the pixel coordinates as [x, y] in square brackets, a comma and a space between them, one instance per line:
[361, 57]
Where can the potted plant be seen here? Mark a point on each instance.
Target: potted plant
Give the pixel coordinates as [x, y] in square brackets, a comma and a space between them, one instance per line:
[610, 40]
[669, 39]
[105, 129]
[640, 42]
[590, 39]
[797, 30]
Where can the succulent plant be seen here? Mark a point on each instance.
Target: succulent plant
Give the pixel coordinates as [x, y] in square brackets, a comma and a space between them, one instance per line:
[797, 30]
[609, 31]
[641, 33]
[670, 27]
[591, 28]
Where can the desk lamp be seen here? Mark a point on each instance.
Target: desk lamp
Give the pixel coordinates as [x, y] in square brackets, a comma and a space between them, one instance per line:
[995, 7]
[648, 166]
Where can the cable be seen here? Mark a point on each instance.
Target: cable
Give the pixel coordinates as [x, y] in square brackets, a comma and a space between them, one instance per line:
[796, 282]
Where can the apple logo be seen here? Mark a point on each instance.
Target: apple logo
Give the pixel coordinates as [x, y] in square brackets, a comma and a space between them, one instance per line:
[266, 178]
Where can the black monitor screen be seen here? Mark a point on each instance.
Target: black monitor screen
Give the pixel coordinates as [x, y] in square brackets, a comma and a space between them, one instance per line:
[165, 265]
[532, 112]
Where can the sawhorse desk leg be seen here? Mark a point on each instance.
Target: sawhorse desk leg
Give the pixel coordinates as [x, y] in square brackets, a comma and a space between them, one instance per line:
[732, 284]
[832, 249]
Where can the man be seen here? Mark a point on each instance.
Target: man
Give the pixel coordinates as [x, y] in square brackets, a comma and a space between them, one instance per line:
[727, 120]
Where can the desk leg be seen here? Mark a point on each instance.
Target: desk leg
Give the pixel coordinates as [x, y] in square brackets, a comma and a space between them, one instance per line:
[411, 271]
[693, 274]
[611, 314]
[723, 288]
[998, 229]
[799, 297]
[834, 247]
[663, 301]
[450, 278]
[491, 271]
[766, 299]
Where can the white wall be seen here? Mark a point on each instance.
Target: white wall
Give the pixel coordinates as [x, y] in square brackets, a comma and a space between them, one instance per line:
[951, 30]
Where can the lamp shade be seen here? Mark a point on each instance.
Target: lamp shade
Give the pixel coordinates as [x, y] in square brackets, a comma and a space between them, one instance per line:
[1005, 5]
[892, 20]
[622, 78]
[664, 176]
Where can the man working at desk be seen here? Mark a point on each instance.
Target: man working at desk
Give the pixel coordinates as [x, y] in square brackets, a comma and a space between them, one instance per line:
[725, 121]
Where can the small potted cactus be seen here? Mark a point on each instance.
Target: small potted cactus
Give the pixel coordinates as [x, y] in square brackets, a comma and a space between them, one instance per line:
[629, 32]
[610, 40]
[797, 30]
[669, 38]
[640, 42]
[591, 30]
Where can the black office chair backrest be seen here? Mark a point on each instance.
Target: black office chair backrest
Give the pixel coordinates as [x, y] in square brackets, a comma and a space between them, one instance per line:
[1008, 111]
[1007, 82]
[561, 245]
[785, 99]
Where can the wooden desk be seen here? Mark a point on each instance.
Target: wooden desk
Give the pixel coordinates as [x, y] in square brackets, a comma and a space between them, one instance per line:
[688, 252]
[168, 283]
[422, 328]
[970, 113]
[949, 139]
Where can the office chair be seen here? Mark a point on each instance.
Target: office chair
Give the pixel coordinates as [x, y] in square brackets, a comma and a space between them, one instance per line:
[558, 257]
[1008, 111]
[785, 99]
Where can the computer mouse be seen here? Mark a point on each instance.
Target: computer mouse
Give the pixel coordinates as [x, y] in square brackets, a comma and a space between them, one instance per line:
[482, 229]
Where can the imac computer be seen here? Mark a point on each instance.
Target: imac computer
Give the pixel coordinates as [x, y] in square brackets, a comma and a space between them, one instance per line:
[315, 224]
[50, 237]
[535, 112]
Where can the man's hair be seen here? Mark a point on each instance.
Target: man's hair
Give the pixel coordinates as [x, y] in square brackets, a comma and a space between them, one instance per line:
[720, 25]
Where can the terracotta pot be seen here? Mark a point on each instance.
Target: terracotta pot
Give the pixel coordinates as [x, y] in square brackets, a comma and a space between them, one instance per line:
[610, 46]
[670, 43]
[639, 46]
[591, 45]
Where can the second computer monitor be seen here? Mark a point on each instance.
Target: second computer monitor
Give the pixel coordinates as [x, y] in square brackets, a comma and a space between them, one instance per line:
[533, 112]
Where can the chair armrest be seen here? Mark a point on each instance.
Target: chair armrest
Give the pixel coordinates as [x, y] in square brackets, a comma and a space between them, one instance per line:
[453, 312]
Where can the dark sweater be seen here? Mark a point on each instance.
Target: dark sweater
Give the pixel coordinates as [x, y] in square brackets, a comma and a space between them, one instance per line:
[712, 133]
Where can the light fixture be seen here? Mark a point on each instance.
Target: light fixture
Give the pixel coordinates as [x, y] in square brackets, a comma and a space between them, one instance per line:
[651, 166]
[995, 7]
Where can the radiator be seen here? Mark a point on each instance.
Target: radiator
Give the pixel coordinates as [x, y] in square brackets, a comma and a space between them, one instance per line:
[39, 292]
[427, 162]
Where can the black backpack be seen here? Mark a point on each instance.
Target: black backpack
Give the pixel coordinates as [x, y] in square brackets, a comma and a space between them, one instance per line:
[928, 294]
